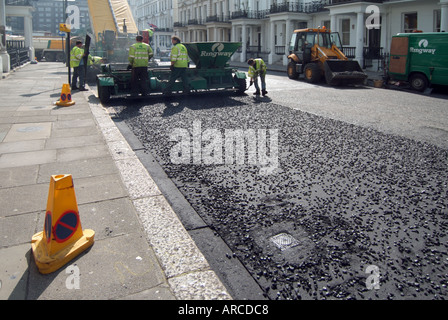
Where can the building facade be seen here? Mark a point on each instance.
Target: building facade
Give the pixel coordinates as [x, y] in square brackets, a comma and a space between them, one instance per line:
[158, 15]
[264, 27]
[48, 14]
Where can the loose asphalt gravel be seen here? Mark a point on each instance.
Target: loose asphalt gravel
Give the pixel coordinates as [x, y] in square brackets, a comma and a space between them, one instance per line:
[363, 214]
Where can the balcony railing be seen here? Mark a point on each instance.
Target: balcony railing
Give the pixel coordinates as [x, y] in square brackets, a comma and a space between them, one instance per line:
[218, 18]
[195, 22]
[335, 2]
[250, 14]
[180, 24]
[163, 30]
[349, 52]
[280, 50]
[308, 7]
[26, 3]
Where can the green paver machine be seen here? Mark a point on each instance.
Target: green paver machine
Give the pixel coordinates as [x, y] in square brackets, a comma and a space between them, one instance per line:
[211, 72]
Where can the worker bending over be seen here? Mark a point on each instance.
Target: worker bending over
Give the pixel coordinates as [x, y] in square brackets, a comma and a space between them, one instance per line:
[139, 55]
[257, 69]
[179, 65]
[76, 62]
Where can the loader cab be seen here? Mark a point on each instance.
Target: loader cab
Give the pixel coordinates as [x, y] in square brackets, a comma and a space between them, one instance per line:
[301, 44]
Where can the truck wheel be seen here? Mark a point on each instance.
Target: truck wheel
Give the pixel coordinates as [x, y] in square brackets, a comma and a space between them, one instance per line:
[418, 82]
[49, 57]
[60, 56]
[241, 85]
[291, 70]
[103, 93]
[312, 73]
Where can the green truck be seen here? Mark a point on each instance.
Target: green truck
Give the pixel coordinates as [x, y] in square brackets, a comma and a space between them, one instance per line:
[211, 72]
[419, 58]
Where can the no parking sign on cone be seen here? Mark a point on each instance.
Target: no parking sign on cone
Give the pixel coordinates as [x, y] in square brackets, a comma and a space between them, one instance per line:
[66, 97]
[62, 238]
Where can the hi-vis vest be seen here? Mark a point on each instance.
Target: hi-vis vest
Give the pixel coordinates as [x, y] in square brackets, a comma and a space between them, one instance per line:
[94, 60]
[179, 54]
[76, 56]
[258, 69]
[139, 54]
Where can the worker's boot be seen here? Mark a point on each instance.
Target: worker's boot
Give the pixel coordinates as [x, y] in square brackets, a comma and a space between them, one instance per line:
[264, 92]
[257, 93]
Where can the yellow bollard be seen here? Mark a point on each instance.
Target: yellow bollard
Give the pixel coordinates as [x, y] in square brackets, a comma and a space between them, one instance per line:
[62, 238]
[66, 97]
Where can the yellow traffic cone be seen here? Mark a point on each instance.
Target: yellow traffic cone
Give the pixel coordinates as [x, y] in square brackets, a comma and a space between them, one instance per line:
[62, 238]
[66, 97]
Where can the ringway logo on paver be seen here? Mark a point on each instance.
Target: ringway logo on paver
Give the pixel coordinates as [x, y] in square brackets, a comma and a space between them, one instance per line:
[216, 51]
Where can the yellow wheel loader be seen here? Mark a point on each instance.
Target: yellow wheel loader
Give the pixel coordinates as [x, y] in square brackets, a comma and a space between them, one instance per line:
[315, 53]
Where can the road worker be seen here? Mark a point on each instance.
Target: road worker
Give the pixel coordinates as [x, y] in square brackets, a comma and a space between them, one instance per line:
[257, 69]
[179, 65]
[76, 62]
[139, 55]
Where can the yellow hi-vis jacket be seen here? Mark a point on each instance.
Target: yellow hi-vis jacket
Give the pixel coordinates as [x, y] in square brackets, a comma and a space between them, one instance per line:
[139, 54]
[94, 60]
[76, 56]
[258, 69]
[179, 55]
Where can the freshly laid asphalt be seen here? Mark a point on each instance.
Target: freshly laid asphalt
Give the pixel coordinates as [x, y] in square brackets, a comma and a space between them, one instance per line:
[141, 249]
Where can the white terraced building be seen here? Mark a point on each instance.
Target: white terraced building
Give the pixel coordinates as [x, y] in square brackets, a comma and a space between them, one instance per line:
[264, 27]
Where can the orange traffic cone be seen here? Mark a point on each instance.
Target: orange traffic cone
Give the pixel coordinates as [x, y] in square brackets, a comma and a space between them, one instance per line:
[66, 97]
[63, 238]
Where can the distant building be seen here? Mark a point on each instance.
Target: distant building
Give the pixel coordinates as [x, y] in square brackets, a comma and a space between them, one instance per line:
[48, 14]
[156, 14]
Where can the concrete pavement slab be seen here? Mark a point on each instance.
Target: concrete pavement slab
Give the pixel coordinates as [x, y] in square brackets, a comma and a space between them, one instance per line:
[72, 154]
[19, 159]
[19, 176]
[23, 199]
[29, 131]
[14, 272]
[110, 269]
[70, 142]
[83, 168]
[16, 230]
[22, 146]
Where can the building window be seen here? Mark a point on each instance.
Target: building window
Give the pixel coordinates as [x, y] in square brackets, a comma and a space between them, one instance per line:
[437, 15]
[410, 22]
[345, 32]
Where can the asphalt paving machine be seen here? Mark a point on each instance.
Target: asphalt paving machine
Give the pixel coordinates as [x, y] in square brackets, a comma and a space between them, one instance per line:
[316, 53]
[210, 72]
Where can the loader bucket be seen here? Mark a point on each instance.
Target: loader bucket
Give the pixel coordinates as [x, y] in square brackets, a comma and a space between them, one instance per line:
[207, 55]
[343, 72]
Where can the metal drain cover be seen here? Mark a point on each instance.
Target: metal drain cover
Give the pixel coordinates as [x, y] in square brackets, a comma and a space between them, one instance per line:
[284, 241]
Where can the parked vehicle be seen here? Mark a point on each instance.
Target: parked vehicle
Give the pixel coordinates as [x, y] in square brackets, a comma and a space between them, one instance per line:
[316, 54]
[419, 58]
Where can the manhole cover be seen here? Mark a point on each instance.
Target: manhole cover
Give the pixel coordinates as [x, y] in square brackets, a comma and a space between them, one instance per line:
[284, 241]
